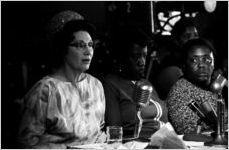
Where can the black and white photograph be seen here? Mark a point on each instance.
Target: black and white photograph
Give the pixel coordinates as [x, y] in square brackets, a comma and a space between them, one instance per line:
[114, 74]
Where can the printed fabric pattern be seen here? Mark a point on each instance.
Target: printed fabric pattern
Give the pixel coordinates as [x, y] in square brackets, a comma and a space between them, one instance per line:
[183, 119]
[60, 112]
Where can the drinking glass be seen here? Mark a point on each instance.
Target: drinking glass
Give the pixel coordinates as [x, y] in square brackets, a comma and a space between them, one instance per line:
[114, 134]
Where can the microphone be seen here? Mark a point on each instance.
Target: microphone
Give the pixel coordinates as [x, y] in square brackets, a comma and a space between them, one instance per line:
[142, 92]
[210, 114]
[218, 84]
[141, 95]
[216, 87]
[195, 107]
[153, 57]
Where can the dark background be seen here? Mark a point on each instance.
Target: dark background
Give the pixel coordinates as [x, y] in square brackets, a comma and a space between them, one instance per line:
[24, 46]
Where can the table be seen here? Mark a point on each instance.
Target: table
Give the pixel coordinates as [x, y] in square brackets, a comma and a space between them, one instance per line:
[190, 141]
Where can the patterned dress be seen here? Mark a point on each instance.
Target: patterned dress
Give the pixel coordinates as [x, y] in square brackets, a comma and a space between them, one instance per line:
[60, 112]
[183, 119]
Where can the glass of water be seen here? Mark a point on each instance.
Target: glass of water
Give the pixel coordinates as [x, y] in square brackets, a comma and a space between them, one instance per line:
[114, 134]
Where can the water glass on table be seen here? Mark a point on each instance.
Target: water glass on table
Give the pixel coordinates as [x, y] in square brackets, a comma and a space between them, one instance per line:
[114, 134]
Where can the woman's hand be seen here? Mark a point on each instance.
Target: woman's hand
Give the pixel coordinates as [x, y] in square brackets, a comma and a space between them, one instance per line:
[102, 138]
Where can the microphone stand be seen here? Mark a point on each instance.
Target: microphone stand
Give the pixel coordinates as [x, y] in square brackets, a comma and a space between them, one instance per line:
[219, 138]
[138, 122]
[138, 118]
[153, 57]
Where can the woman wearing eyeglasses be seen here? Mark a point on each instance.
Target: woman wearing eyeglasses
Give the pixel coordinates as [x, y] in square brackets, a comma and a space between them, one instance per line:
[68, 106]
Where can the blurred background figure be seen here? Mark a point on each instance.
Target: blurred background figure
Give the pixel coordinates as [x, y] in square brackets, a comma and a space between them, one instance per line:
[169, 52]
[184, 30]
[131, 51]
[198, 66]
[68, 105]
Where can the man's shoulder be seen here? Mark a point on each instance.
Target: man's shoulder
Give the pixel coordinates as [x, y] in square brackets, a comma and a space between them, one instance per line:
[112, 78]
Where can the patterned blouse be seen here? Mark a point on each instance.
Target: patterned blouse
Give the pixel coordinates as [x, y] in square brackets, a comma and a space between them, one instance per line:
[60, 112]
[183, 119]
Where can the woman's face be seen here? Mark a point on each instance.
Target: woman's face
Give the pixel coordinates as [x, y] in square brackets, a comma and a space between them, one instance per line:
[80, 51]
[200, 65]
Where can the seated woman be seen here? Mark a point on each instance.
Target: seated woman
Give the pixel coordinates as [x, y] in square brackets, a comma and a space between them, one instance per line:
[66, 107]
[131, 51]
[194, 85]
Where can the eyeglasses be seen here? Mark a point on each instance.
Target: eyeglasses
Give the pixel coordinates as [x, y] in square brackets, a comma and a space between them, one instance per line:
[198, 60]
[82, 45]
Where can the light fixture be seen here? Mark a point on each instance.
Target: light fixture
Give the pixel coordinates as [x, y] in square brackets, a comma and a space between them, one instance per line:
[210, 5]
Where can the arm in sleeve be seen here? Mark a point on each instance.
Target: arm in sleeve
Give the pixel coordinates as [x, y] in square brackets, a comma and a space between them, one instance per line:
[112, 113]
[180, 116]
[32, 125]
[161, 106]
[102, 96]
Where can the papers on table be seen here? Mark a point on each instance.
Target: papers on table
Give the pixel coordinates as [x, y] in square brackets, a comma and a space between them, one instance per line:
[127, 145]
